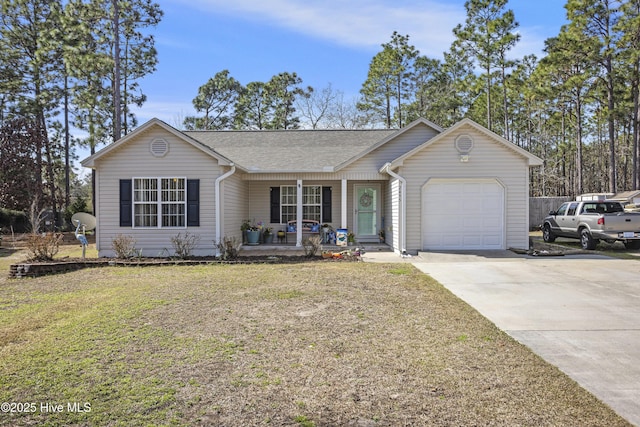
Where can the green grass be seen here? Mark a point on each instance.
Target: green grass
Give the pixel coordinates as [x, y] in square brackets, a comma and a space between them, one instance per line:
[318, 343]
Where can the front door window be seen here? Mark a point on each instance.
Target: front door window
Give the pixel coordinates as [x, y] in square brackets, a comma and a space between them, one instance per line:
[367, 211]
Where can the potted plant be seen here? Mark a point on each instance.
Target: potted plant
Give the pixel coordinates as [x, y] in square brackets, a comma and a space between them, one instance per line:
[253, 233]
[326, 228]
[351, 239]
[267, 235]
[381, 235]
[244, 228]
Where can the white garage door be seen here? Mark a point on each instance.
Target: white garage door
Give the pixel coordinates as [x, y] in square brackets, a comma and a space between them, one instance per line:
[463, 215]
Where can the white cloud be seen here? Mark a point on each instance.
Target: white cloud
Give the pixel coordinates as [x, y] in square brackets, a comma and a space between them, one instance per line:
[366, 23]
[358, 23]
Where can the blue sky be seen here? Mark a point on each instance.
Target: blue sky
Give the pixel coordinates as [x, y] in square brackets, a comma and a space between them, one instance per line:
[323, 41]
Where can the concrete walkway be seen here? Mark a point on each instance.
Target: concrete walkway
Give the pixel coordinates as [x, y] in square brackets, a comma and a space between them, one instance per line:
[580, 313]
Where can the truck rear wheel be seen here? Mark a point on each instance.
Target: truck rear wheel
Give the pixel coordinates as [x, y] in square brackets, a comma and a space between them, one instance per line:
[632, 244]
[547, 234]
[588, 243]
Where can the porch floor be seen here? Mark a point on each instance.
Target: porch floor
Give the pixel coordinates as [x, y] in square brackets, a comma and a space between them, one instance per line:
[292, 249]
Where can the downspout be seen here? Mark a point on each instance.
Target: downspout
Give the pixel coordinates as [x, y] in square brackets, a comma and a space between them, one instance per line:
[219, 204]
[403, 207]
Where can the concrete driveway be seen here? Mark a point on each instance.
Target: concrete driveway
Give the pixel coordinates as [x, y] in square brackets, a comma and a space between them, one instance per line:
[581, 312]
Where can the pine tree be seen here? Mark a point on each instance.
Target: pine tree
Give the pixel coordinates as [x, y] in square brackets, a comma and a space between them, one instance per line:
[217, 100]
[389, 80]
[488, 34]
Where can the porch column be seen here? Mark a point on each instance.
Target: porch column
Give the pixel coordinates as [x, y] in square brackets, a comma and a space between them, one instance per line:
[343, 205]
[299, 214]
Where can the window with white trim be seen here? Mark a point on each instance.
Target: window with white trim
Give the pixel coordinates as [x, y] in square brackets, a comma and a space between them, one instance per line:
[311, 202]
[159, 202]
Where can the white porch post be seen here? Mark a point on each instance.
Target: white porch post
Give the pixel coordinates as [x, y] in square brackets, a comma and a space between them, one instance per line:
[343, 218]
[299, 214]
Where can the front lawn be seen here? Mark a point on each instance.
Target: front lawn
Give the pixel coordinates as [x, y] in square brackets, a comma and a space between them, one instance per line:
[321, 343]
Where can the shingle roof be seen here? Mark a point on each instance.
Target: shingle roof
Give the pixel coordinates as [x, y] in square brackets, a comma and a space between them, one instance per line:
[290, 150]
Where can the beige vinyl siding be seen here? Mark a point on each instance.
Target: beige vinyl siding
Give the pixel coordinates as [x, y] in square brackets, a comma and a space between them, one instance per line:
[488, 159]
[235, 205]
[368, 166]
[134, 159]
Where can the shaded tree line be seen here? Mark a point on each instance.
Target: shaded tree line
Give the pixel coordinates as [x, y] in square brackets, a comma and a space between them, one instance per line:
[65, 64]
[577, 107]
[79, 63]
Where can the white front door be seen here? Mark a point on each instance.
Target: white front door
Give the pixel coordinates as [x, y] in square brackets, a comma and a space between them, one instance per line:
[366, 221]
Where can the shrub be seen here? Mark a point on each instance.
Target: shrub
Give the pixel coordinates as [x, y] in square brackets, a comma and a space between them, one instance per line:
[312, 245]
[36, 216]
[124, 246]
[229, 248]
[43, 247]
[13, 219]
[183, 245]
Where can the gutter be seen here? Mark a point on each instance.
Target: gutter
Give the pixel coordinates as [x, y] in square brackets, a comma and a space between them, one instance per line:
[219, 204]
[403, 206]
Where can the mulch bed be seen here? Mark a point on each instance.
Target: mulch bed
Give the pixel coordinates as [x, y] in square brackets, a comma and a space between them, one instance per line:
[64, 265]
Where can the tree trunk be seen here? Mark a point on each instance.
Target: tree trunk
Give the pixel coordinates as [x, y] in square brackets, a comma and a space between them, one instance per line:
[612, 129]
[634, 123]
[505, 102]
[399, 95]
[117, 109]
[67, 165]
[579, 179]
[488, 70]
[50, 175]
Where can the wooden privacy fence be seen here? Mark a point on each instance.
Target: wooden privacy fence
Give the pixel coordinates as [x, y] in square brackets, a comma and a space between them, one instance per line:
[539, 208]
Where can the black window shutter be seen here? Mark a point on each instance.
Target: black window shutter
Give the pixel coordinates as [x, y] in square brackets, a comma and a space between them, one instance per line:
[125, 203]
[193, 203]
[326, 204]
[275, 205]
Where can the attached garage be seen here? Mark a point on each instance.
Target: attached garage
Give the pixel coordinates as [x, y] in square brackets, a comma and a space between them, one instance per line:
[463, 214]
[464, 189]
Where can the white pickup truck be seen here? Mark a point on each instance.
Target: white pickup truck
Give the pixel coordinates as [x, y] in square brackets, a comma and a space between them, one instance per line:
[592, 221]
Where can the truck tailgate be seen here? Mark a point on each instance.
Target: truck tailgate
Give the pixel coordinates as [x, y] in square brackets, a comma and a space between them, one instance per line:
[623, 222]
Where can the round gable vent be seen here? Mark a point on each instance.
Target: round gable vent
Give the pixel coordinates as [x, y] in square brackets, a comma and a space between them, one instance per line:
[159, 147]
[464, 144]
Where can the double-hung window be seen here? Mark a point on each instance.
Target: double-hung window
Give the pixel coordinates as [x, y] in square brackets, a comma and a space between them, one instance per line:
[288, 203]
[311, 202]
[159, 202]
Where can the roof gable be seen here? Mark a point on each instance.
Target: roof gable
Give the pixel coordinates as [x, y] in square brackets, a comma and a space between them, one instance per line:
[531, 159]
[89, 162]
[395, 134]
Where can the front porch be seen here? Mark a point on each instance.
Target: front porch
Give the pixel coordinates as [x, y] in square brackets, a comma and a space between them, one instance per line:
[289, 207]
[290, 249]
